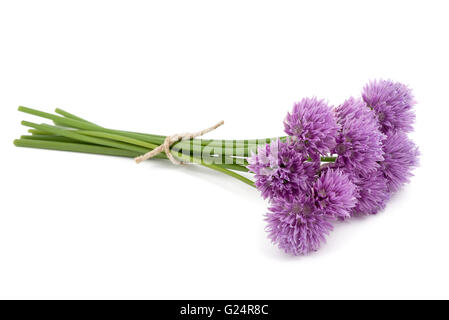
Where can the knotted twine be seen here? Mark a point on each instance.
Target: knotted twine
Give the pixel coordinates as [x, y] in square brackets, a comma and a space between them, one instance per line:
[170, 140]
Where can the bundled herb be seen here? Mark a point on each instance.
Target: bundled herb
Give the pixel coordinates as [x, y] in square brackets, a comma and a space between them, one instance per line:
[334, 163]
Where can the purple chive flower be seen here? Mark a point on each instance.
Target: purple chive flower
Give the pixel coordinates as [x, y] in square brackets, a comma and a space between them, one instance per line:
[280, 171]
[401, 157]
[372, 193]
[359, 142]
[393, 103]
[297, 226]
[334, 193]
[312, 126]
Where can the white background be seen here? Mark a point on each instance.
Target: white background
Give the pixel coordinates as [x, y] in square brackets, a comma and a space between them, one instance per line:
[86, 226]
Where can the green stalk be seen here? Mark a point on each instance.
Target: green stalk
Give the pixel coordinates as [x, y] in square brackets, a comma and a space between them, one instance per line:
[74, 147]
[38, 132]
[117, 137]
[328, 159]
[71, 116]
[50, 138]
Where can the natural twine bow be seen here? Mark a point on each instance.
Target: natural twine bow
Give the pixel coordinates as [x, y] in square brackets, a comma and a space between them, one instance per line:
[169, 140]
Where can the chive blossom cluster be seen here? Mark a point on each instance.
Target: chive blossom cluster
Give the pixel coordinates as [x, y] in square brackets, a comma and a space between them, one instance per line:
[337, 163]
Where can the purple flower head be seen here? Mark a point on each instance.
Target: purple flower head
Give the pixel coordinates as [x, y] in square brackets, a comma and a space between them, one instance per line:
[372, 193]
[334, 193]
[359, 142]
[280, 171]
[312, 126]
[393, 103]
[401, 157]
[297, 226]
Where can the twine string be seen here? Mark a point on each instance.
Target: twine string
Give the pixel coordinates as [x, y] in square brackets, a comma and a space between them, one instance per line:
[170, 140]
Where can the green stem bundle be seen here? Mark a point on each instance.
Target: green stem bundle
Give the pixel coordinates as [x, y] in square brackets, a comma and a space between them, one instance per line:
[73, 133]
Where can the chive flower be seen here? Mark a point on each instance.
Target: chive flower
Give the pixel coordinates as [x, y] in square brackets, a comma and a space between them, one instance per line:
[372, 193]
[312, 126]
[359, 141]
[280, 171]
[393, 103]
[334, 193]
[401, 157]
[296, 226]
[299, 226]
